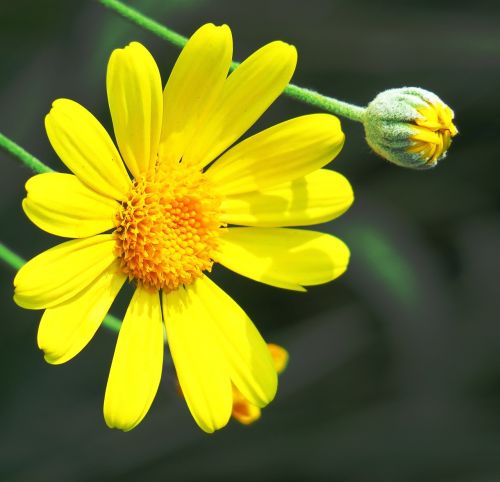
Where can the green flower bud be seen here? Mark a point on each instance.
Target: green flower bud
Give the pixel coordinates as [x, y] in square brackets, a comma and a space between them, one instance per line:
[410, 127]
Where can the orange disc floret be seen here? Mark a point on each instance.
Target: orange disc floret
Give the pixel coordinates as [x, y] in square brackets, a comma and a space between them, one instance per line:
[168, 227]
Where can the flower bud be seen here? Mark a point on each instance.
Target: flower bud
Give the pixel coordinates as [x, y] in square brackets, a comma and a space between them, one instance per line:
[410, 127]
[243, 410]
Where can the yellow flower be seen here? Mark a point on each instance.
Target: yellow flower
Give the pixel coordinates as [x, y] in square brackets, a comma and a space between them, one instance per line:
[246, 412]
[165, 201]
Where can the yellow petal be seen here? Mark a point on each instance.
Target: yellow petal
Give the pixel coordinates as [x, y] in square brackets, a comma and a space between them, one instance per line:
[135, 100]
[62, 205]
[286, 258]
[244, 411]
[247, 93]
[85, 147]
[137, 363]
[66, 329]
[201, 369]
[280, 356]
[246, 353]
[318, 197]
[194, 87]
[58, 274]
[282, 153]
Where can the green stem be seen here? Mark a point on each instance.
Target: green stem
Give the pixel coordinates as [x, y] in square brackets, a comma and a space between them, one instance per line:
[25, 157]
[15, 261]
[344, 109]
[329, 104]
[112, 323]
[145, 22]
[10, 258]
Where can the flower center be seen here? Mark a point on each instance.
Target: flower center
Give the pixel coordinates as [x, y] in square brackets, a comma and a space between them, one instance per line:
[168, 227]
[433, 132]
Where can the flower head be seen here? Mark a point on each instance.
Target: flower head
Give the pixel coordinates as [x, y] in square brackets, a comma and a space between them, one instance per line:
[172, 199]
[411, 127]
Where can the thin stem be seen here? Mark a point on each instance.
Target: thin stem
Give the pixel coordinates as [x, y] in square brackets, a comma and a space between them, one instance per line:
[145, 22]
[329, 104]
[15, 261]
[344, 109]
[25, 157]
[112, 323]
[10, 258]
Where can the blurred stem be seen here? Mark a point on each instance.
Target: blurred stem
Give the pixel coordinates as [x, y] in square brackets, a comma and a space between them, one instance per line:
[15, 261]
[10, 258]
[382, 257]
[329, 104]
[25, 157]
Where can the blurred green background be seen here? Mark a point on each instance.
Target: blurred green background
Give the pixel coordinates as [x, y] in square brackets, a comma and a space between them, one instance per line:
[395, 368]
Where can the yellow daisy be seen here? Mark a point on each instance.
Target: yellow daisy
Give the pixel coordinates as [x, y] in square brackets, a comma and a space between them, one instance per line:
[166, 202]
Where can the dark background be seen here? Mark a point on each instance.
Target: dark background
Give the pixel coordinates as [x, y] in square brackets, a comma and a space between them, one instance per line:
[395, 368]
